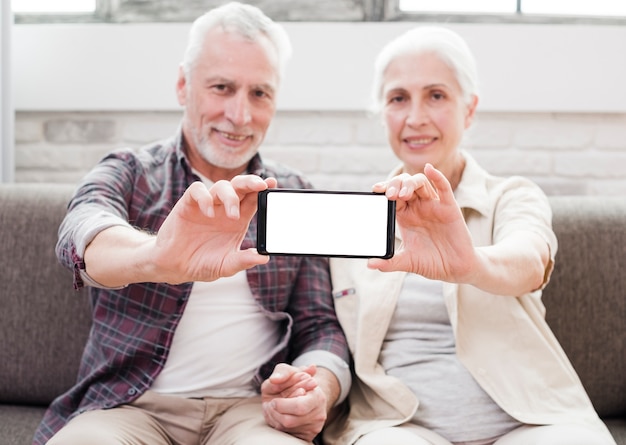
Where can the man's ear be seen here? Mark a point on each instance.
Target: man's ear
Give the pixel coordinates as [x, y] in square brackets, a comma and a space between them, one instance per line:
[181, 87]
[471, 111]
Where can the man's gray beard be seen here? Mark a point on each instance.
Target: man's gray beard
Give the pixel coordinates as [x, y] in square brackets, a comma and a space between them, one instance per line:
[214, 157]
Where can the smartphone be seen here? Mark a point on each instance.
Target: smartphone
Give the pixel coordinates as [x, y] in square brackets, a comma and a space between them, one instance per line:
[325, 223]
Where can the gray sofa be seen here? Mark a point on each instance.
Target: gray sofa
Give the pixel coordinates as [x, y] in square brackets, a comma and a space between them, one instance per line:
[44, 322]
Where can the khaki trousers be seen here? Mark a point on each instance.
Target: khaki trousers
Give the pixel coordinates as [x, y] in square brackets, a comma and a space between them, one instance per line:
[155, 419]
[524, 435]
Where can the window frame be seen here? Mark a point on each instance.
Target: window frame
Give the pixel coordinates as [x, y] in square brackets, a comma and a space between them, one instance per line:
[385, 11]
[102, 12]
[393, 13]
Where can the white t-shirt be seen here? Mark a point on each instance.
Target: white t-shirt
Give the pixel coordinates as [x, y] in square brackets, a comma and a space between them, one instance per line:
[222, 339]
[420, 350]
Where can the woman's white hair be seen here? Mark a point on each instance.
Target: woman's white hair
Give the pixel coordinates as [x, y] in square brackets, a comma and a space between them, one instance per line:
[444, 43]
[246, 20]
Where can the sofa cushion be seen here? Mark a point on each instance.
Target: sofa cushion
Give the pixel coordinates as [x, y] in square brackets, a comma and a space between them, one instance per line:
[617, 427]
[44, 322]
[18, 423]
[586, 297]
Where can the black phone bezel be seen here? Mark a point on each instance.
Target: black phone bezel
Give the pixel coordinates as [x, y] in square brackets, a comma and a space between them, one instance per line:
[262, 223]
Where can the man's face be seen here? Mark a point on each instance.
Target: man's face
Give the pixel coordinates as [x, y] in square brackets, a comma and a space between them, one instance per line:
[229, 100]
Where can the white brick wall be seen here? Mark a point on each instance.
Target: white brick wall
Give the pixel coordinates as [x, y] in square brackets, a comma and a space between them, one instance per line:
[581, 154]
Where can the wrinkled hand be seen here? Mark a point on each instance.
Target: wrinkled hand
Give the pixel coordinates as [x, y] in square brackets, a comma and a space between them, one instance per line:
[435, 240]
[201, 238]
[293, 401]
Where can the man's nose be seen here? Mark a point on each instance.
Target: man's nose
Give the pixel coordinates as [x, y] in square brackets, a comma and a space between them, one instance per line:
[238, 109]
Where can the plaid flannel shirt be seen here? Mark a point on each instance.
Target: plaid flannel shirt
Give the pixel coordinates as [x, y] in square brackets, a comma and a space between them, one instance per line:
[133, 327]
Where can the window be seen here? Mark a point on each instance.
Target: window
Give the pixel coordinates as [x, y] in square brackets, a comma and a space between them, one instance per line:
[55, 7]
[459, 6]
[517, 8]
[606, 8]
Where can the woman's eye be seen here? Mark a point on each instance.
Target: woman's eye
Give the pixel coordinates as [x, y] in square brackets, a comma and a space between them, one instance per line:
[437, 95]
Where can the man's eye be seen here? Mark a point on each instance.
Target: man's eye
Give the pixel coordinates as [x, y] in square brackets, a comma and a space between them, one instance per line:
[396, 99]
[260, 94]
[437, 95]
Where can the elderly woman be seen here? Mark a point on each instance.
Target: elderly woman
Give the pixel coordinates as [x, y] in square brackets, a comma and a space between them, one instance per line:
[449, 339]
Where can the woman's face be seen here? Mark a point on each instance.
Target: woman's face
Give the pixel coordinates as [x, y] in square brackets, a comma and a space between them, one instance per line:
[424, 112]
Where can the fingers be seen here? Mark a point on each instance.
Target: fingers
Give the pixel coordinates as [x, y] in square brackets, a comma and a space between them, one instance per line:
[249, 258]
[405, 187]
[377, 264]
[302, 417]
[283, 371]
[271, 182]
[295, 406]
[227, 195]
[198, 193]
[293, 401]
[289, 381]
[440, 182]
[400, 261]
[230, 194]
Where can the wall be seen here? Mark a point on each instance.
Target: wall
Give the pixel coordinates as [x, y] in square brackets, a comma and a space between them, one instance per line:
[7, 167]
[553, 102]
[565, 153]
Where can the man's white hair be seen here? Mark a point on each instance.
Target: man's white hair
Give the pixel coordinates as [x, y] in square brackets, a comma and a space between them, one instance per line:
[245, 20]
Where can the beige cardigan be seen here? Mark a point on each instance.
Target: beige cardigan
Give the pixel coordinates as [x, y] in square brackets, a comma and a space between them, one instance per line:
[503, 341]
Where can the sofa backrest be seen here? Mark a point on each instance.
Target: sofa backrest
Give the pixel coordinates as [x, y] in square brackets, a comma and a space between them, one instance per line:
[586, 296]
[44, 322]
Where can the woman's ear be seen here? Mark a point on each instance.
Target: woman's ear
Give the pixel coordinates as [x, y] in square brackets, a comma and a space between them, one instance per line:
[471, 111]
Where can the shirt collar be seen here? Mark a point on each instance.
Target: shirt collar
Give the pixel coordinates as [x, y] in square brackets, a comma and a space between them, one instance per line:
[256, 167]
[180, 146]
[471, 193]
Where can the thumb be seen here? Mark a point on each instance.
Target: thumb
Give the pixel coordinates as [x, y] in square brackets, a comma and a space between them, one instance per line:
[245, 259]
[380, 264]
[401, 261]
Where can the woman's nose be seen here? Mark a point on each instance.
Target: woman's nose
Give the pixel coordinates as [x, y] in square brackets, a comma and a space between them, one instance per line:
[418, 114]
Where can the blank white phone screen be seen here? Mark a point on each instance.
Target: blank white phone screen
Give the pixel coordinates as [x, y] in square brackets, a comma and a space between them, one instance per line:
[327, 224]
